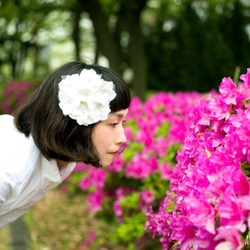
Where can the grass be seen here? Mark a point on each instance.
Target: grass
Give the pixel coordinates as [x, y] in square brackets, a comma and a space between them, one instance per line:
[57, 222]
[4, 244]
[62, 222]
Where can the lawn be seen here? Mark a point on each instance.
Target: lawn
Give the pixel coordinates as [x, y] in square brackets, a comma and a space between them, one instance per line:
[56, 222]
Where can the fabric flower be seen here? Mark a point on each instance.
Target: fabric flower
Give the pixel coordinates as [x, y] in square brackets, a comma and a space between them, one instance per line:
[85, 97]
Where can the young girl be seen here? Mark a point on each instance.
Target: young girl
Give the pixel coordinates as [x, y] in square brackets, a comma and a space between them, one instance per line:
[76, 115]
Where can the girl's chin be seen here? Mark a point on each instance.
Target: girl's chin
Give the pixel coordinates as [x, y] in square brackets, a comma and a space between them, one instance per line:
[107, 162]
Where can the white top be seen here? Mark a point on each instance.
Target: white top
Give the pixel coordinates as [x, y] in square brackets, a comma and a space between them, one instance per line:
[25, 175]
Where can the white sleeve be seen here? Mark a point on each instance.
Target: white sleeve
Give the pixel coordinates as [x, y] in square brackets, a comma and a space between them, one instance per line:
[5, 189]
[6, 153]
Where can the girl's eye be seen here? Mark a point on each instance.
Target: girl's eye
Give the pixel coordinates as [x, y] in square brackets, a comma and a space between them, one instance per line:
[113, 124]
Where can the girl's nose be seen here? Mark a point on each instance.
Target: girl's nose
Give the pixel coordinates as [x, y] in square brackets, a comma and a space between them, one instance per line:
[121, 138]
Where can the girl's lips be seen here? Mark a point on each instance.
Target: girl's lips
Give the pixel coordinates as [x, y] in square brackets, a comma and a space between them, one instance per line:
[113, 153]
[121, 149]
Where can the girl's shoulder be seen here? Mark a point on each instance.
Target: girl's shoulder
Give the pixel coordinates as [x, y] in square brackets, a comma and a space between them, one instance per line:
[6, 124]
[12, 140]
[6, 118]
[16, 149]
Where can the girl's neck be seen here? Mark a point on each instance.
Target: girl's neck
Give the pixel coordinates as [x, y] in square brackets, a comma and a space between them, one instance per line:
[61, 163]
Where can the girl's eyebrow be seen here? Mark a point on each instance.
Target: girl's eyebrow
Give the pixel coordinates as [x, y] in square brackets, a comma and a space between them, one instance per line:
[118, 114]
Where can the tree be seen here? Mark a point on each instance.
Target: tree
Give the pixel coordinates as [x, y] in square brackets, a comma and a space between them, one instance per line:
[233, 28]
[108, 37]
[194, 53]
[196, 50]
[131, 13]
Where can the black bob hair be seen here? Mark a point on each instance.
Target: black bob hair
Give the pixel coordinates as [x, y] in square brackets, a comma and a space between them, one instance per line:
[58, 136]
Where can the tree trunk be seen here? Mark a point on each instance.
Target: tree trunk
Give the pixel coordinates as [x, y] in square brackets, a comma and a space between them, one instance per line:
[109, 44]
[104, 37]
[132, 11]
[19, 235]
[76, 30]
[138, 60]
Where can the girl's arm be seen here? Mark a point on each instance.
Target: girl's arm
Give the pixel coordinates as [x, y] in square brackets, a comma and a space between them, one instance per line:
[5, 190]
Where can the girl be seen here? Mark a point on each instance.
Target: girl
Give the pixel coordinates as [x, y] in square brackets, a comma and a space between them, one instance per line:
[76, 115]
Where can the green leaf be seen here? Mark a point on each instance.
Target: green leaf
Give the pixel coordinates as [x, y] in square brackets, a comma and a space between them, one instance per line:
[131, 150]
[132, 228]
[130, 201]
[163, 130]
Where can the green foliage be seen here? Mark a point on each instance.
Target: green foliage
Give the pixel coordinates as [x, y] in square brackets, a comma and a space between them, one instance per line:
[133, 147]
[106, 214]
[73, 185]
[162, 130]
[186, 42]
[171, 153]
[132, 228]
[156, 185]
[130, 202]
[198, 46]
[170, 208]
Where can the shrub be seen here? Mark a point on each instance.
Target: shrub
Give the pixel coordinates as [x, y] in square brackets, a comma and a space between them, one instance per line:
[13, 95]
[138, 178]
[208, 202]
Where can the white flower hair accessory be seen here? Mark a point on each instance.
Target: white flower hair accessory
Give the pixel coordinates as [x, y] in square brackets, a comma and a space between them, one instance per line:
[86, 97]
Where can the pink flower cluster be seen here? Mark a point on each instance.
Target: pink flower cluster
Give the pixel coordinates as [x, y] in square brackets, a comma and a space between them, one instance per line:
[153, 130]
[208, 202]
[162, 121]
[14, 94]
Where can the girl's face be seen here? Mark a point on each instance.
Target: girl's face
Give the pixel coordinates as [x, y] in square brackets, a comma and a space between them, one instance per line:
[108, 136]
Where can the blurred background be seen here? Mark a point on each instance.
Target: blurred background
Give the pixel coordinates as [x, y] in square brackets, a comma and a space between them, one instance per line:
[157, 45]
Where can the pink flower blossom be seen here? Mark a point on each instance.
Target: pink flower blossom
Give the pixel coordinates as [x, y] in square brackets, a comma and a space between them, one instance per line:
[228, 91]
[116, 165]
[96, 178]
[209, 188]
[117, 207]
[146, 197]
[231, 239]
[165, 170]
[90, 239]
[95, 200]
[140, 167]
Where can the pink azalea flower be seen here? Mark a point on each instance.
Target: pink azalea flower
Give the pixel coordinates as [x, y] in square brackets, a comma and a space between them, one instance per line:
[230, 212]
[90, 239]
[165, 170]
[246, 78]
[64, 189]
[116, 165]
[146, 197]
[201, 213]
[95, 200]
[139, 167]
[178, 129]
[162, 144]
[96, 178]
[228, 91]
[231, 239]
[209, 188]
[118, 210]
[218, 108]
[82, 167]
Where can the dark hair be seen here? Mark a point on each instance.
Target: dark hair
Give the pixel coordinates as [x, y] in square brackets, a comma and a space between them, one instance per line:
[58, 136]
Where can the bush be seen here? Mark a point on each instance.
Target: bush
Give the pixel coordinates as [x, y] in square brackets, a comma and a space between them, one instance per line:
[13, 95]
[208, 202]
[138, 178]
